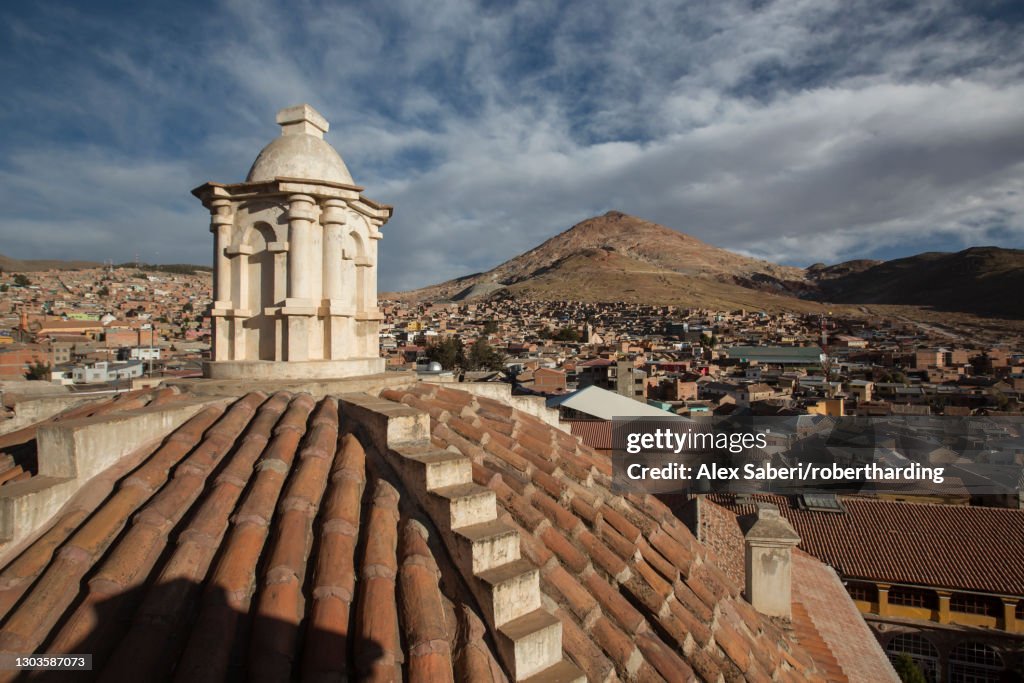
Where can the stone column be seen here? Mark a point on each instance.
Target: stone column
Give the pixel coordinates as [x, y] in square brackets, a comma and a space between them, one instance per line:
[299, 307]
[280, 252]
[367, 317]
[221, 220]
[769, 563]
[238, 257]
[333, 308]
[371, 275]
[301, 216]
[333, 219]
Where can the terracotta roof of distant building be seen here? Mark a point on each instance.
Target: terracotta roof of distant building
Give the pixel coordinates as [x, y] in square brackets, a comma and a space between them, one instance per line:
[946, 546]
[825, 621]
[594, 433]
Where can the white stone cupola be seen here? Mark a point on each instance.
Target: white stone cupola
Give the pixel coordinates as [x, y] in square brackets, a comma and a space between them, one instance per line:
[294, 262]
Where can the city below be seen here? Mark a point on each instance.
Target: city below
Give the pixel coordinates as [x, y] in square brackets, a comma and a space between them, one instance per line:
[119, 328]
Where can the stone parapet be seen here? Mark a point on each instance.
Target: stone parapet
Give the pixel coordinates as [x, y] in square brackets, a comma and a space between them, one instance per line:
[72, 452]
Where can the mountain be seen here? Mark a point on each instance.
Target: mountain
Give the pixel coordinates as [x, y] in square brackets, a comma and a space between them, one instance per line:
[980, 280]
[13, 265]
[617, 257]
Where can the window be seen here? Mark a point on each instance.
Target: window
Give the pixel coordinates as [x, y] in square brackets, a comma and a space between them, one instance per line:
[976, 604]
[1020, 609]
[975, 663]
[865, 592]
[912, 597]
[920, 649]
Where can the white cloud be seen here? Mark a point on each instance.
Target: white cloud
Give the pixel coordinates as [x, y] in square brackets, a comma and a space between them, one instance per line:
[796, 130]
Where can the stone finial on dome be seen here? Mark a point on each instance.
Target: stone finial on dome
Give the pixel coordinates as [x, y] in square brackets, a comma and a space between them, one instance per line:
[302, 118]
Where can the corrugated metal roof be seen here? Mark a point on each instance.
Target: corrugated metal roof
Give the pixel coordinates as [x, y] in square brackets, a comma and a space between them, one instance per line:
[769, 354]
[605, 405]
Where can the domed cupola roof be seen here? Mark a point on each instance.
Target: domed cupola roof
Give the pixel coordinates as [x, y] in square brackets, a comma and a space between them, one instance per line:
[301, 151]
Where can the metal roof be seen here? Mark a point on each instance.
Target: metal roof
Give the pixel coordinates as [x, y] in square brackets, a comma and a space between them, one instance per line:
[605, 405]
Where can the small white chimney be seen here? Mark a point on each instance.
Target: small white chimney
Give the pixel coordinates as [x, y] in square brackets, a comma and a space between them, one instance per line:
[769, 562]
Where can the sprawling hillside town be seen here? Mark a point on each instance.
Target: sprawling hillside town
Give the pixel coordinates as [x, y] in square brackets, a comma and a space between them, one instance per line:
[698, 361]
[95, 329]
[119, 328]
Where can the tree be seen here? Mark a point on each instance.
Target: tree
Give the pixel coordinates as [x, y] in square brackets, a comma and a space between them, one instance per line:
[448, 352]
[490, 327]
[482, 356]
[38, 371]
[894, 376]
[21, 280]
[1000, 399]
[4, 287]
[907, 669]
[567, 334]
[103, 291]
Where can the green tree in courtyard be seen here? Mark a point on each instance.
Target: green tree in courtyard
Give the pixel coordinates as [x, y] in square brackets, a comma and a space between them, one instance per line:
[482, 356]
[1001, 400]
[38, 371]
[908, 670]
[448, 352]
[567, 334]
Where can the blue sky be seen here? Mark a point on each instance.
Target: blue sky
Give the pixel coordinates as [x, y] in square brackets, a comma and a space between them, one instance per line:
[799, 131]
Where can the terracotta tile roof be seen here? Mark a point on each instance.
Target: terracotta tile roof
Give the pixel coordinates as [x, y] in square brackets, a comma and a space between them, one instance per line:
[264, 540]
[945, 546]
[829, 626]
[825, 622]
[594, 433]
[638, 597]
[253, 542]
[810, 638]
